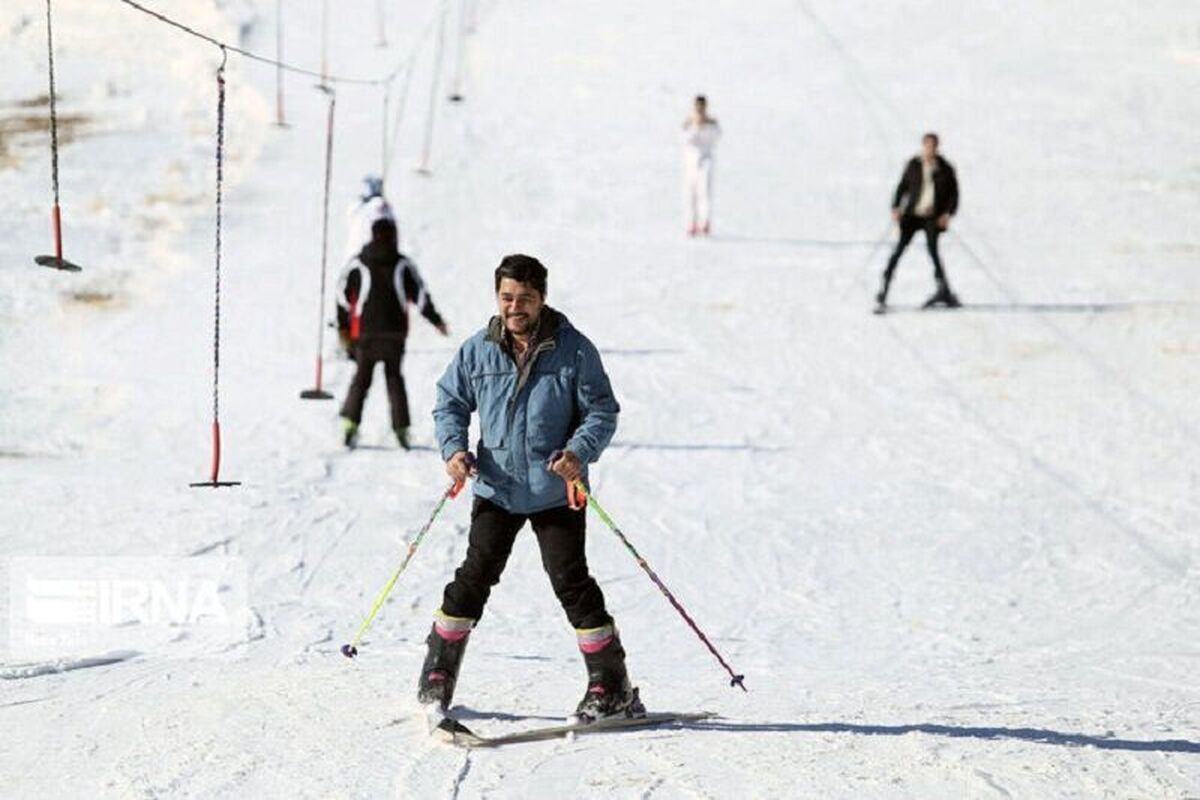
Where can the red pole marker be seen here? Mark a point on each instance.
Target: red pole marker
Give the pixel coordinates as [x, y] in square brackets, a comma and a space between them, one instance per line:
[55, 261]
[317, 392]
[215, 476]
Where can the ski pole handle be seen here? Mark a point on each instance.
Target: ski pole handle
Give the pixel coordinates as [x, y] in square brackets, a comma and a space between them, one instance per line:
[576, 494]
[458, 486]
[453, 491]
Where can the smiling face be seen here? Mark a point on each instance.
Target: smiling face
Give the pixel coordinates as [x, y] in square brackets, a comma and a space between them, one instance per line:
[520, 306]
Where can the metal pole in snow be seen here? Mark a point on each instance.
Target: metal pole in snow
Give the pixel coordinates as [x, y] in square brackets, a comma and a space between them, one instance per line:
[423, 168]
[279, 119]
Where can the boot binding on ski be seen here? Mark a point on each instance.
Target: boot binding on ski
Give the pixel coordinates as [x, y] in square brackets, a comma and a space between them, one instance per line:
[600, 703]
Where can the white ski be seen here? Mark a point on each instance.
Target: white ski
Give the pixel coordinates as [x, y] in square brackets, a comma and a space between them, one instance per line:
[454, 732]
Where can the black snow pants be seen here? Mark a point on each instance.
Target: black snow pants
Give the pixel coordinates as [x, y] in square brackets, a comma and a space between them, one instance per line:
[909, 225]
[560, 534]
[370, 351]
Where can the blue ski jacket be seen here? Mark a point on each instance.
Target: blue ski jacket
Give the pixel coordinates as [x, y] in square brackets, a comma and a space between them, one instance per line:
[560, 399]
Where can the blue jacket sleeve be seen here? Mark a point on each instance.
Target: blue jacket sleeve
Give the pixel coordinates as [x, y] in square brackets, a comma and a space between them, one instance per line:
[453, 407]
[598, 407]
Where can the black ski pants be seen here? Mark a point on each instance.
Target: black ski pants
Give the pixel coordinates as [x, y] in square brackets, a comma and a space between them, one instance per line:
[909, 225]
[370, 351]
[560, 535]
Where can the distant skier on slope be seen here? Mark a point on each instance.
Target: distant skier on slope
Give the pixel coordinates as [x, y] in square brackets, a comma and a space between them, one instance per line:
[373, 315]
[370, 206]
[700, 135]
[925, 199]
[541, 392]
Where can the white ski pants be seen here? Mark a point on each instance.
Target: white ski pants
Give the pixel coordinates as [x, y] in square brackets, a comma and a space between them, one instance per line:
[698, 188]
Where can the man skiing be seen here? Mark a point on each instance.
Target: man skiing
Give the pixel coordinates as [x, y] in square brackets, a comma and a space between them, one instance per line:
[700, 135]
[373, 316]
[546, 410]
[925, 199]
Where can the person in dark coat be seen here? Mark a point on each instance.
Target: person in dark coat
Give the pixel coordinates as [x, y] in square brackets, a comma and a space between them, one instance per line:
[373, 317]
[925, 200]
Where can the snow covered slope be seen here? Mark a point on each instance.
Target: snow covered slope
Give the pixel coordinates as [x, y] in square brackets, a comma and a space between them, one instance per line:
[955, 554]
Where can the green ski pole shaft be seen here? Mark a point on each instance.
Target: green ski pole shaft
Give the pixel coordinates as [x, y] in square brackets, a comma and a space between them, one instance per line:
[735, 678]
[351, 650]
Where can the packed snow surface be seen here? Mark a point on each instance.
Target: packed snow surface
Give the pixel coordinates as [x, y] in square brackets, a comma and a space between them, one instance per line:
[954, 553]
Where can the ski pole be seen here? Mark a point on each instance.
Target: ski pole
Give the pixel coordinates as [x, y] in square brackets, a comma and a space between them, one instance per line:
[736, 679]
[351, 650]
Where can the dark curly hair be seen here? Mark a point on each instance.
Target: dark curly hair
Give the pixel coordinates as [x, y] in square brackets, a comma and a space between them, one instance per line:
[523, 269]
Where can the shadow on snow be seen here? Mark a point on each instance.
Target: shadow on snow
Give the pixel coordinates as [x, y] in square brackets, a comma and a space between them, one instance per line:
[1036, 735]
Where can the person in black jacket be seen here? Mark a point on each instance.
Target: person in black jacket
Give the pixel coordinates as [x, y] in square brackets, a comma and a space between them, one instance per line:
[925, 199]
[373, 316]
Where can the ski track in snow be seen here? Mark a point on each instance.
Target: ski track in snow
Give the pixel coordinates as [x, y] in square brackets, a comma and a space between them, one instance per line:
[952, 552]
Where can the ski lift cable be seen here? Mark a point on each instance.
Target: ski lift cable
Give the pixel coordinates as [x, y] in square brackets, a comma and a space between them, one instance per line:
[225, 46]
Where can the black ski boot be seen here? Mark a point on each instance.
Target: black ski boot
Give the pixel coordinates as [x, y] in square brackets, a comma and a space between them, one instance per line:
[609, 693]
[349, 433]
[943, 297]
[439, 673]
[881, 295]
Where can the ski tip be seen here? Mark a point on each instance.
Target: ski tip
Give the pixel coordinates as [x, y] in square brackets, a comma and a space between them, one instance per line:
[349, 650]
[452, 731]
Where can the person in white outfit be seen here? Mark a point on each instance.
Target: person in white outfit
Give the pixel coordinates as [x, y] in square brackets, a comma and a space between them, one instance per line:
[700, 135]
[370, 207]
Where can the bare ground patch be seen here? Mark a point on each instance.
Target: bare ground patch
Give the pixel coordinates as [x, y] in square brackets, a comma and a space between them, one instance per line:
[22, 128]
[93, 297]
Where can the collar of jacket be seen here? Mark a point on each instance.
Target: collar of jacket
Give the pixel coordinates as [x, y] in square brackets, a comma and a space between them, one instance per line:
[939, 162]
[548, 326]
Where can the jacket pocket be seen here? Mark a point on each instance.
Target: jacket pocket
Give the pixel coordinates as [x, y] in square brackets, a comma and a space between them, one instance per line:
[493, 392]
[492, 463]
[551, 411]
